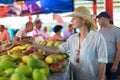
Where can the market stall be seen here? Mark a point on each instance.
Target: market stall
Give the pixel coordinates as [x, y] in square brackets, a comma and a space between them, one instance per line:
[29, 61]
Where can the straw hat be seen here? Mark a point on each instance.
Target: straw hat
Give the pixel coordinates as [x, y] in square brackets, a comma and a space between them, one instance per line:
[84, 13]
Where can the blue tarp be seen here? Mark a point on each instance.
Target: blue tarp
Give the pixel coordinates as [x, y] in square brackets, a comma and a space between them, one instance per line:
[48, 6]
[6, 1]
[39, 6]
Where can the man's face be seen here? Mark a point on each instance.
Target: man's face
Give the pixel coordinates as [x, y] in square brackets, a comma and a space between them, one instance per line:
[38, 25]
[101, 21]
[30, 28]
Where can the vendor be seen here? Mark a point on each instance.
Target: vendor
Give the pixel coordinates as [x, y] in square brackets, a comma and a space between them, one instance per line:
[57, 36]
[21, 34]
[4, 34]
[38, 34]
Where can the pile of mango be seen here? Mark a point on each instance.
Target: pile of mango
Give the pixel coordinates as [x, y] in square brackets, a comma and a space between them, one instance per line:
[25, 62]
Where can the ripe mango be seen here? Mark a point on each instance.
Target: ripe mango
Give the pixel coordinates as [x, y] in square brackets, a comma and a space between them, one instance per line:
[26, 58]
[25, 70]
[16, 56]
[37, 56]
[50, 60]
[56, 67]
[38, 75]
[53, 58]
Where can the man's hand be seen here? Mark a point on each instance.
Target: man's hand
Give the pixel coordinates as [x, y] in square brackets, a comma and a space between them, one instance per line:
[7, 46]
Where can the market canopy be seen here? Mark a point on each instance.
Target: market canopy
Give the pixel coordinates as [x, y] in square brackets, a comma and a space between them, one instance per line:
[30, 7]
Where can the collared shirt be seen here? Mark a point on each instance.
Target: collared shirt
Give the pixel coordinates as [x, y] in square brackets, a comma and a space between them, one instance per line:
[4, 36]
[39, 34]
[21, 33]
[93, 50]
[112, 36]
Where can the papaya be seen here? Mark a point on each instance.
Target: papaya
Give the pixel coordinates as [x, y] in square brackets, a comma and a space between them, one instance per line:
[26, 70]
[38, 75]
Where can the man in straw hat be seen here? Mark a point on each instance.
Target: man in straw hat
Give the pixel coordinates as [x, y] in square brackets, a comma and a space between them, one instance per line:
[112, 36]
[87, 49]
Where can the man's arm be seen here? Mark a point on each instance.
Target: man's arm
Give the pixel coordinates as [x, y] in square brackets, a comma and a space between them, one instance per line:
[117, 58]
[102, 70]
[8, 36]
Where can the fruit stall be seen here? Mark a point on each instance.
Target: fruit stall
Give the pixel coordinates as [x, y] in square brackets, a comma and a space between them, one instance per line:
[26, 62]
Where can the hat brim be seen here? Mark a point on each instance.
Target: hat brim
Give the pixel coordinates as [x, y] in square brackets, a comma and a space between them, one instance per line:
[86, 18]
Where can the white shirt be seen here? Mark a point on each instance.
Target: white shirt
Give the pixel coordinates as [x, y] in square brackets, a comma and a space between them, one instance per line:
[21, 33]
[93, 50]
[38, 34]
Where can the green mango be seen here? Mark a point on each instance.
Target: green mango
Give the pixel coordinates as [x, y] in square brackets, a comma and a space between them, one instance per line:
[34, 63]
[38, 75]
[45, 71]
[25, 70]
[6, 57]
[4, 78]
[2, 73]
[5, 64]
[9, 71]
[17, 76]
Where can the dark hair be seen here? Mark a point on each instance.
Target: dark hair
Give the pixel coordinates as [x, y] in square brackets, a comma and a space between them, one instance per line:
[29, 24]
[38, 21]
[111, 22]
[69, 25]
[57, 28]
[2, 26]
[104, 14]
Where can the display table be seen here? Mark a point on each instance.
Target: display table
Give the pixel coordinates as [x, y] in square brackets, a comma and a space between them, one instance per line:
[63, 75]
